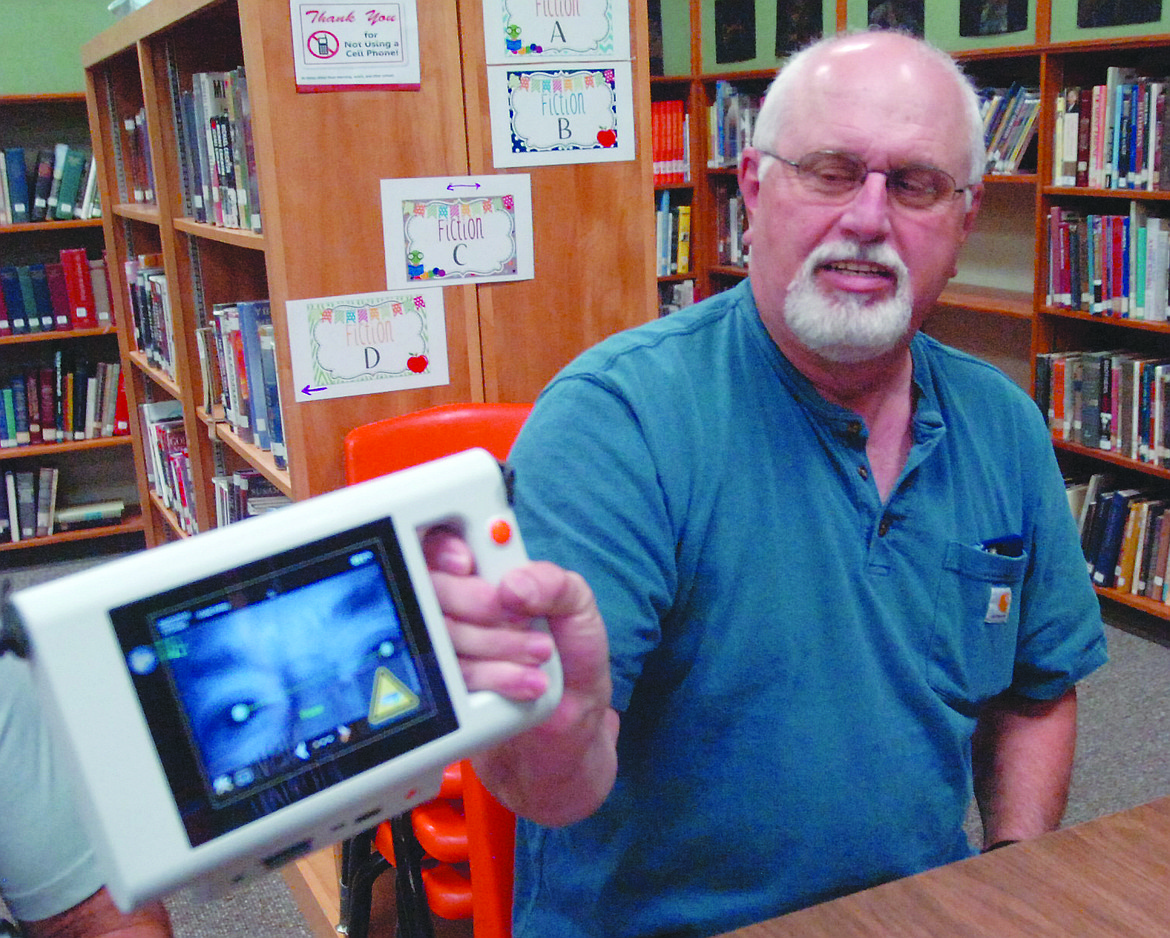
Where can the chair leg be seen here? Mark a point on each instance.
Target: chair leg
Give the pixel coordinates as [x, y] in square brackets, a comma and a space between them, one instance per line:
[360, 866]
[414, 913]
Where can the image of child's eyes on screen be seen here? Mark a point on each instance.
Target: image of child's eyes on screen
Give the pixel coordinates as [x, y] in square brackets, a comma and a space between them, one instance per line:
[278, 675]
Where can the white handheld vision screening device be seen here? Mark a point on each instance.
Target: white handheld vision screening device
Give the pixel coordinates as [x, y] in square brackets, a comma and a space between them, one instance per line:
[246, 696]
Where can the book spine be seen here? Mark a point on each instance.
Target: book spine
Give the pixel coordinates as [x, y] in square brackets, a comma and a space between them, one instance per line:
[18, 193]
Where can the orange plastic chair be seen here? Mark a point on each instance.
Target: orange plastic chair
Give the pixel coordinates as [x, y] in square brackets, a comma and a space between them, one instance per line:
[453, 855]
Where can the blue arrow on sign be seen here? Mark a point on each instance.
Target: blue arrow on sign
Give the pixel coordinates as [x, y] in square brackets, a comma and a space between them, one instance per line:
[308, 390]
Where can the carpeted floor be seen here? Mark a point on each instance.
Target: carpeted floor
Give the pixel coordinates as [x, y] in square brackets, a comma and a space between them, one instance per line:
[1123, 760]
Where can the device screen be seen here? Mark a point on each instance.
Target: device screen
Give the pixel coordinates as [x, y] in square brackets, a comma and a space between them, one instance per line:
[267, 683]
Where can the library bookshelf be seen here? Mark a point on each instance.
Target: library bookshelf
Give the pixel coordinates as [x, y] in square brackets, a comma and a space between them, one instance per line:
[86, 470]
[999, 304]
[319, 159]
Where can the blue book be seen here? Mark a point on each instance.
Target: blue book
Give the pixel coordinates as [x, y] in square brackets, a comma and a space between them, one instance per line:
[13, 299]
[20, 409]
[42, 298]
[253, 315]
[18, 194]
[272, 396]
[1113, 528]
[7, 419]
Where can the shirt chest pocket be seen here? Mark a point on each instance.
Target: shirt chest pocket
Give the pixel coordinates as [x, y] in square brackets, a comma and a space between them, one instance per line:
[976, 621]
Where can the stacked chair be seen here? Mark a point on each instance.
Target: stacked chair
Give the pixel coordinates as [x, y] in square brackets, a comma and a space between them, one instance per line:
[452, 856]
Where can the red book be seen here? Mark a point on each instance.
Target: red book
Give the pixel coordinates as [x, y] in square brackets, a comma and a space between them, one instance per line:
[80, 288]
[48, 382]
[59, 295]
[5, 322]
[1084, 137]
[110, 287]
[121, 408]
[1118, 268]
[32, 393]
[1056, 400]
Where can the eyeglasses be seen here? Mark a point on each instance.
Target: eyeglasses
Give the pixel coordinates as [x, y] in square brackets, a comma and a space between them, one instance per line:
[837, 176]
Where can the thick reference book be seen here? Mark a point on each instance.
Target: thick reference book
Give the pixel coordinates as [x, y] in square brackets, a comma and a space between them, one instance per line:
[18, 191]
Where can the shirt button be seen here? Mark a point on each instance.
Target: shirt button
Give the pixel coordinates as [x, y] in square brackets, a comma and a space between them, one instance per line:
[863, 472]
[884, 527]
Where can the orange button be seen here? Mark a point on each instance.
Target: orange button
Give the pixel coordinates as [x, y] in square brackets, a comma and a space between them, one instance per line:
[501, 531]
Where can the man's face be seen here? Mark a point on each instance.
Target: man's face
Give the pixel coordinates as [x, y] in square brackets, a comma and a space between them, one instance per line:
[851, 278]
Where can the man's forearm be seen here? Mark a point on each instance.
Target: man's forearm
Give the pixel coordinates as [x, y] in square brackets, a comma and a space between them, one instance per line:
[98, 917]
[1023, 755]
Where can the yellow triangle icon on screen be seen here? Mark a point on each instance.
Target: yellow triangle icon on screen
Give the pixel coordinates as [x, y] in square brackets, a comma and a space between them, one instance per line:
[391, 697]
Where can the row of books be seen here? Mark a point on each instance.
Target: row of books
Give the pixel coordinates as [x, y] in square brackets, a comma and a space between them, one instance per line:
[28, 507]
[1125, 536]
[58, 184]
[136, 159]
[57, 296]
[62, 400]
[150, 310]
[1113, 135]
[731, 119]
[674, 295]
[217, 162]
[1109, 265]
[168, 460]
[1112, 400]
[244, 494]
[673, 235]
[237, 357]
[670, 132]
[730, 225]
[1009, 125]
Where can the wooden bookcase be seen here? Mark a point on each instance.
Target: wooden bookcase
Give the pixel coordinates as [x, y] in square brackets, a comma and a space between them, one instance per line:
[320, 158]
[90, 470]
[996, 305]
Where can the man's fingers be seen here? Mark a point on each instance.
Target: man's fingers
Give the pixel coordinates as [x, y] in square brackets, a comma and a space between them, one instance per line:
[446, 551]
[527, 648]
[544, 589]
[510, 680]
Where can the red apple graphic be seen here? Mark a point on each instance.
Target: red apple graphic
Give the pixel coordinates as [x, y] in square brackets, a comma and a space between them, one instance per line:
[607, 138]
[417, 364]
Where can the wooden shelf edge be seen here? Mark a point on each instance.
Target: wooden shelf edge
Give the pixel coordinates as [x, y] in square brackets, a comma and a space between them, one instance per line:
[235, 236]
[992, 300]
[1123, 462]
[145, 212]
[129, 525]
[167, 514]
[46, 98]
[257, 458]
[1017, 179]
[727, 270]
[62, 225]
[157, 375]
[1141, 603]
[1143, 195]
[33, 450]
[1062, 313]
[20, 338]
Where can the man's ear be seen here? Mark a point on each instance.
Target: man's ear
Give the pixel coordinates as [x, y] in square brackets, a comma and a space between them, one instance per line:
[749, 186]
[973, 210]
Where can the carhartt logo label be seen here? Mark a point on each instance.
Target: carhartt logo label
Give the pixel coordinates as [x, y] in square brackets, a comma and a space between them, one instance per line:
[999, 604]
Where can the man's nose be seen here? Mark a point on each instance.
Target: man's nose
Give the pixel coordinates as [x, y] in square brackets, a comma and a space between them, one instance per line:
[867, 215]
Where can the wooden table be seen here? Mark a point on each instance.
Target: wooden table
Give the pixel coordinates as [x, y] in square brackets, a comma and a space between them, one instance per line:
[1107, 878]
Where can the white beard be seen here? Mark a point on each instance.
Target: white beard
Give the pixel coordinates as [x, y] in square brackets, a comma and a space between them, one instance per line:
[847, 327]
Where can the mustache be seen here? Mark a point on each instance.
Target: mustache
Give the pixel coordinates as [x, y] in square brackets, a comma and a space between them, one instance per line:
[851, 252]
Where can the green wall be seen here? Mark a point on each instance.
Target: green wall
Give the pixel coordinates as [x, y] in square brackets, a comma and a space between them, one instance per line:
[41, 40]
